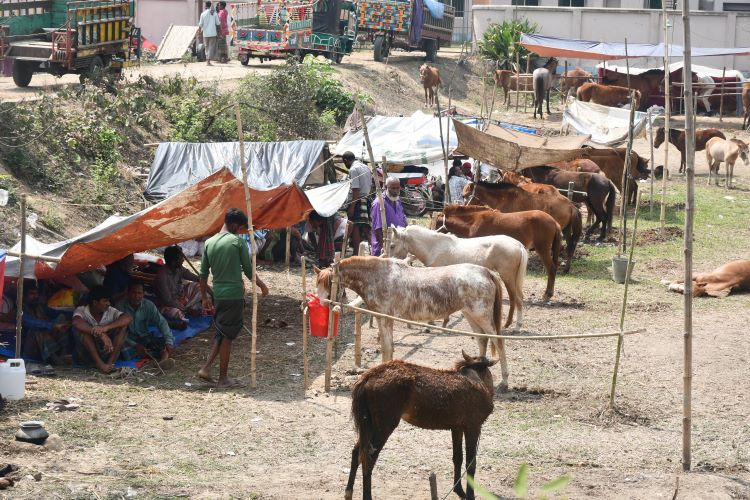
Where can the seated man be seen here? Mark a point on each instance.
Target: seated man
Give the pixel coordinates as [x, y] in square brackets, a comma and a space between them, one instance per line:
[117, 277]
[43, 339]
[318, 231]
[100, 331]
[177, 290]
[145, 313]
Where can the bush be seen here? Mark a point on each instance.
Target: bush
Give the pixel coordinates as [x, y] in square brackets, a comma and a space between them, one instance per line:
[500, 42]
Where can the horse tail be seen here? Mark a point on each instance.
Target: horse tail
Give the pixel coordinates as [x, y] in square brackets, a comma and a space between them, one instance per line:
[497, 312]
[539, 90]
[362, 419]
[610, 207]
[557, 245]
[520, 277]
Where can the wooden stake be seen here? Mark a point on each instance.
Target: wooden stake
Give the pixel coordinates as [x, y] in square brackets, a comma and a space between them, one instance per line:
[525, 94]
[331, 319]
[492, 107]
[373, 166]
[358, 327]
[483, 104]
[667, 116]
[627, 67]
[19, 284]
[518, 79]
[621, 337]
[446, 191]
[251, 234]
[687, 397]
[721, 102]
[626, 177]
[305, 319]
[651, 148]
[385, 247]
[433, 487]
[564, 81]
[287, 255]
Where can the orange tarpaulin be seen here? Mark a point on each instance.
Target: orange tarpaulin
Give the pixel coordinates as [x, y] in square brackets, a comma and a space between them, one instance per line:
[196, 212]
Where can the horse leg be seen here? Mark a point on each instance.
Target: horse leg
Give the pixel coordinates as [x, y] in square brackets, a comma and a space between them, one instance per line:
[548, 111]
[385, 327]
[458, 457]
[386, 425]
[516, 303]
[729, 169]
[479, 324]
[472, 440]
[549, 265]
[352, 472]
[568, 235]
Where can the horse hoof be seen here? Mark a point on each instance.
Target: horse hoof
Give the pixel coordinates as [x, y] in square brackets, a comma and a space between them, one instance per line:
[502, 387]
[348, 495]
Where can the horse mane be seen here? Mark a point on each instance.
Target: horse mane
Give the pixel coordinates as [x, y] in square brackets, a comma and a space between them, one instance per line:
[477, 364]
[498, 185]
[652, 72]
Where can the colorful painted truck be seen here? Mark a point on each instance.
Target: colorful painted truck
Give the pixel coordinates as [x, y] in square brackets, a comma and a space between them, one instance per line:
[59, 37]
[409, 25]
[272, 29]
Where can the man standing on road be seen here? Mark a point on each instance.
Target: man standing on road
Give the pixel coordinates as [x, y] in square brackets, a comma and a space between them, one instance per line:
[208, 24]
[222, 44]
[394, 213]
[359, 207]
[225, 255]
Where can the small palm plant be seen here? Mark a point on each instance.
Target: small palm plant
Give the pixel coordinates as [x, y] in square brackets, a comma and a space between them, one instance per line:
[500, 42]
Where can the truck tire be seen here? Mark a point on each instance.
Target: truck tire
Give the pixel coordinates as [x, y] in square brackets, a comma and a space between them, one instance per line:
[380, 48]
[94, 72]
[245, 58]
[430, 48]
[22, 72]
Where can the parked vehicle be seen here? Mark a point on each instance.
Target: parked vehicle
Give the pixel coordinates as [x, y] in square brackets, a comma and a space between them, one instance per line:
[273, 29]
[409, 25]
[59, 37]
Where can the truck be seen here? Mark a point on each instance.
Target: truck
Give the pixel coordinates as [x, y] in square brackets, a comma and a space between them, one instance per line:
[86, 37]
[274, 29]
[409, 25]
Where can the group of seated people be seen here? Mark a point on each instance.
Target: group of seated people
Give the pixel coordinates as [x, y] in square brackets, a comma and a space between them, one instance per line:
[114, 323]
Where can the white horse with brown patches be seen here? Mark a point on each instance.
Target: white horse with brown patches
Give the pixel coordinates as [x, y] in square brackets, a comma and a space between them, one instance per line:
[724, 150]
[502, 254]
[392, 287]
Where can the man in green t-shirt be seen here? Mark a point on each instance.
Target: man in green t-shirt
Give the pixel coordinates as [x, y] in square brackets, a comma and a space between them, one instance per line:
[226, 256]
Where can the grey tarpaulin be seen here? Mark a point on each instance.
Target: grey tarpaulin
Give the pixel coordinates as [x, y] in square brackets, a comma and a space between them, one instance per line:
[179, 165]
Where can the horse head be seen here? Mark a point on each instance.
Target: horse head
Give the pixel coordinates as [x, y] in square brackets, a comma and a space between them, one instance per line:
[399, 248]
[743, 149]
[479, 366]
[551, 64]
[323, 282]
[422, 72]
[641, 166]
[659, 139]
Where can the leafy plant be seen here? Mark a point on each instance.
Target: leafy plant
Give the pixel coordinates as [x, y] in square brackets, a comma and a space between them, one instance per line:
[521, 485]
[500, 42]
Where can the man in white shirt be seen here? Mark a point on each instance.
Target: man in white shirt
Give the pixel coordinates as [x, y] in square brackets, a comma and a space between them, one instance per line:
[359, 207]
[208, 24]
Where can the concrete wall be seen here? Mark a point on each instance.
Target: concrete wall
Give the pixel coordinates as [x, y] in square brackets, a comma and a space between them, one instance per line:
[155, 16]
[708, 29]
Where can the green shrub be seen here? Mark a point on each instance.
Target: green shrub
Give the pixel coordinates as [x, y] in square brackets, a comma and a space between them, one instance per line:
[500, 42]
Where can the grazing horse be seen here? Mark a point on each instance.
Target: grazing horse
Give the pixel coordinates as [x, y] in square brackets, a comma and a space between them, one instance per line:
[508, 80]
[509, 198]
[579, 165]
[724, 150]
[543, 79]
[677, 138]
[746, 105]
[600, 192]
[611, 161]
[430, 79]
[731, 277]
[574, 78]
[502, 254]
[392, 287]
[537, 231]
[646, 83]
[606, 95]
[459, 400]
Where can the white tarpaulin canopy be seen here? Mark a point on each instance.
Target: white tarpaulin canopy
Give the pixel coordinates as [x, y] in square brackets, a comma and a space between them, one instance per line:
[403, 140]
[698, 69]
[606, 126]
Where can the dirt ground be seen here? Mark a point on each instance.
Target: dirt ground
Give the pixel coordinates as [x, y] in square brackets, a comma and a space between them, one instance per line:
[166, 436]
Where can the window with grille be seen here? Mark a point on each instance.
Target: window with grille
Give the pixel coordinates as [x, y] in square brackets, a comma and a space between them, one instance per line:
[571, 3]
[525, 2]
[652, 4]
[459, 5]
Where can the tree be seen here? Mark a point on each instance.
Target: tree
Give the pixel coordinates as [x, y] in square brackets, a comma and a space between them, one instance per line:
[501, 41]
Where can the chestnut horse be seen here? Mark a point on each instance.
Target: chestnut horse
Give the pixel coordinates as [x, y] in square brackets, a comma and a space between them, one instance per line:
[459, 400]
[525, 183]
[677, 138]
[509, 198]
[574, 78]
[579, 165]
[731, 277]
[508, 80]
[537, 231]
[646, 83]
[611, 161]
[392, 287]
[599, 198]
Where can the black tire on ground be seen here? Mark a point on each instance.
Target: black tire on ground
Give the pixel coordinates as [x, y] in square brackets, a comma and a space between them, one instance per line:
[430, 48]
[22, 72]
[380, 48]
[94, 72]
[245, 59]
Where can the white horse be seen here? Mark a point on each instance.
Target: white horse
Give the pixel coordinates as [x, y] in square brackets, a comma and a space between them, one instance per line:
[707, 87]
[392, 287]
[502, 254]
[724, 150]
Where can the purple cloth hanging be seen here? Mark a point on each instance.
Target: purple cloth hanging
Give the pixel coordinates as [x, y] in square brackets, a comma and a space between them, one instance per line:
[417, 21]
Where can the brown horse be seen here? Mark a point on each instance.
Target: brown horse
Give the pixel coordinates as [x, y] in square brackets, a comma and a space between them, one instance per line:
[579, 165]
[599, 198]
[525, 183]
[611, 161]
[459, 400]
[574, 78]
[508, 80]
[646, 83]
[606, 95]
[537, 231]
[746, 105]
[677, 138]
[509, 198]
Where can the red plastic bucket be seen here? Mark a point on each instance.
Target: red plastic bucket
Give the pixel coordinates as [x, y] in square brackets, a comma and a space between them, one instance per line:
[319, 317]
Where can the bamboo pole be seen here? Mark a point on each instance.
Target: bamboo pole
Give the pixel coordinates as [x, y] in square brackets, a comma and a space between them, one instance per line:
[483, 104]
[518, 78]
[251, 234]
[721, 102]
[653, 166]
[385, 249]
[492, 108]
[621, 337]
[447, 192]
[19, 285]
[563, 82]
[667, 117]
[687, 398]
[305, 319]
[331, 319]
[373, 166]
[288, 252]
[525, 94]
[627, 66]
[358, 327]
[344, 243]
[625, 178]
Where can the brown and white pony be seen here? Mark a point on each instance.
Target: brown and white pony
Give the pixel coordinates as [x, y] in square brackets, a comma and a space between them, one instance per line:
[724, 150]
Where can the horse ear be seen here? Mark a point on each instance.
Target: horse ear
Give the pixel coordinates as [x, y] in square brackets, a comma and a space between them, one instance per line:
[468, 358]
[316, 269]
